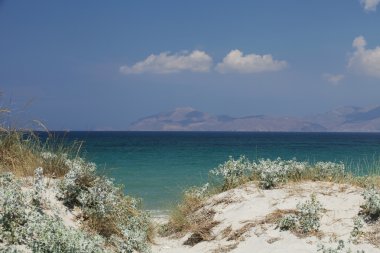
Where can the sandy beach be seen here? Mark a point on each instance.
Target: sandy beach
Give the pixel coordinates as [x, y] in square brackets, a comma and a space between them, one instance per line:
[243, 226]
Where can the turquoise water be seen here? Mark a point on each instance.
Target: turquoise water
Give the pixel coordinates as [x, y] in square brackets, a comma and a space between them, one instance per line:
[157, 166]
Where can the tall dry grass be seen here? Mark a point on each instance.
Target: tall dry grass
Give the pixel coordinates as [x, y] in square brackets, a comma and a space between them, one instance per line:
[22, 150]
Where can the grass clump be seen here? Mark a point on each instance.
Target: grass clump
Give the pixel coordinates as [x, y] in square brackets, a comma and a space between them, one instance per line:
[21, 152]
[180, 219]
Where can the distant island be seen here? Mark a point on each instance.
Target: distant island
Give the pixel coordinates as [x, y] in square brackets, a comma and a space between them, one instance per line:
[343, 119]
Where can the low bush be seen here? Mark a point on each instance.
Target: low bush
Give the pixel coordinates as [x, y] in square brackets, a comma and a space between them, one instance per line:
[271, 173]
[23, 223]
[288, 222]
[329, 171]
[106, 210]
[305, 220]
[233, 172]
[371, 206]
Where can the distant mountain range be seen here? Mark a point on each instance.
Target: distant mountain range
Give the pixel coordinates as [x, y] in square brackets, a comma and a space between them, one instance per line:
[344, 119]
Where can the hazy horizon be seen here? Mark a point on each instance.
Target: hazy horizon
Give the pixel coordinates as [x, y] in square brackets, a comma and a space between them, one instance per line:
[103, 65]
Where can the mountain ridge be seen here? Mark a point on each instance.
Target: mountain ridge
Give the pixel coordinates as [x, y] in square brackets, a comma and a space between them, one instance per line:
[342, 119]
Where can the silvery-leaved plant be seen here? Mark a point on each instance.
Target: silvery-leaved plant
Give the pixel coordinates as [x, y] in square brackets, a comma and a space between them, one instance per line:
[305, 220]
[49, 234]
[329, 170]
[100, 198]
[274, 172]
[105, 207]
[13, 206]
[288, 222]
[39, 187]
[49, 155]
[197, 192]
[371, 206]
[233, 171]
[135, 234]
[79, 177]
[340, 248]
[11, 249]
[309, 215]
[356, 231]
[26, 224]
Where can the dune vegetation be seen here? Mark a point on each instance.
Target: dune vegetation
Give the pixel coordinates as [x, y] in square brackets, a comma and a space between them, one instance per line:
[195, 214]
[53, 200]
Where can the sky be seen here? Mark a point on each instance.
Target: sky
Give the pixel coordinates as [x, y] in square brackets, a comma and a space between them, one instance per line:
[101, 65]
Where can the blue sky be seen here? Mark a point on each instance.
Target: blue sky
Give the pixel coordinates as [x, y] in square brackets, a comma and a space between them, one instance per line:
[103, 64]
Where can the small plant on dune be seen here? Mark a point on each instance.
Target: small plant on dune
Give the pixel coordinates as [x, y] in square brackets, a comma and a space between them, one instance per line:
[288, 222]
[233, 172]
[356, 231]
[309, 215]
[306, 219]
[38, 187]
[371, 206]
[340, 248]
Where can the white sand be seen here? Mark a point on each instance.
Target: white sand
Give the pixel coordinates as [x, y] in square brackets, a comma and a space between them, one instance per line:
[251, 204]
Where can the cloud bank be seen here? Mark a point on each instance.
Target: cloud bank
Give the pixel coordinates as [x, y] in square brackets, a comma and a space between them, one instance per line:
[164, 63]
[369, 5]
[365, 61]
[235, 61]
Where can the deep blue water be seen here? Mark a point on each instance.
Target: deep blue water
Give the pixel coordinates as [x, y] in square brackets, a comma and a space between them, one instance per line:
[157, 166]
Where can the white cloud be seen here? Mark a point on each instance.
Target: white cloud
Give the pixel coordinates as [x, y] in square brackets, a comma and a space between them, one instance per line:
[164, 63]
[235, 61]
[365, 61]
[333, 79]
[370, 5]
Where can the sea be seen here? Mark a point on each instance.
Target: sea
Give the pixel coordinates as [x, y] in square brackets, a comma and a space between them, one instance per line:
[158, 166]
